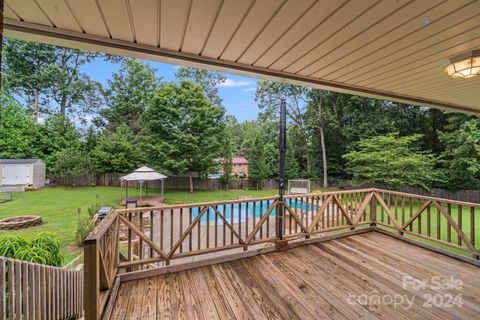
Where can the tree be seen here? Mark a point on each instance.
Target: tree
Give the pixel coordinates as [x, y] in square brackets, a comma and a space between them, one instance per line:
[55, 135]
[391, 161]
[16, 129]
[128, 95]
[117, 152]
[70, 164]
[185, 129]
[26, 72]
[208, 80]
[74, 91]
[227, 150]
[258, 162]
[460, 162]
[41, 73]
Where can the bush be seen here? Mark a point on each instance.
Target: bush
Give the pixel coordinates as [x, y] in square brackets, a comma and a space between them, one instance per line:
[44, 249]
[10, 244]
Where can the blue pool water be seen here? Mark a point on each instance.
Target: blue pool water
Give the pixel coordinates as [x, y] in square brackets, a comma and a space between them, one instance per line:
[240, 210]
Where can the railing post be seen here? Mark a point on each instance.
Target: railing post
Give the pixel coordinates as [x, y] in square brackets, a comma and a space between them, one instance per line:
[373, 211]
[92, 280]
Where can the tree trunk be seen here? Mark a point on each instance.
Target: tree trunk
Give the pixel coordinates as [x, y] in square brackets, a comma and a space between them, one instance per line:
[324, 159]
[36, 102]
[322, 142]
[190, 180]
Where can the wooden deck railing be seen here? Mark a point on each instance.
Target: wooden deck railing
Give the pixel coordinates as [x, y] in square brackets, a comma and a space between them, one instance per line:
[33, 291]
[448, 224]
[143, 241]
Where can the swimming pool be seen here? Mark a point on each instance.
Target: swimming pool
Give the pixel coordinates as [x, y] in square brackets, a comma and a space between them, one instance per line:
[243, 211]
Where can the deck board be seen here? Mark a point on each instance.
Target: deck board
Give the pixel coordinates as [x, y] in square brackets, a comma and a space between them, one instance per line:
[317, 281]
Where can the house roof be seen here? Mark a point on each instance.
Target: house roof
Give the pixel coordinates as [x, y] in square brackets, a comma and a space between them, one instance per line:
[239, 160]
[235, 160]
[389, 49]
[19, 161]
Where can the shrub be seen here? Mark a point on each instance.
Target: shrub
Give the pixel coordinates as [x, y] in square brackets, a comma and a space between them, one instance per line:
[44, 249]
[10, 244]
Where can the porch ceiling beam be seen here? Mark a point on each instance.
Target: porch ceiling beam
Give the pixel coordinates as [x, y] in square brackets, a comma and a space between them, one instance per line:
[40, 33]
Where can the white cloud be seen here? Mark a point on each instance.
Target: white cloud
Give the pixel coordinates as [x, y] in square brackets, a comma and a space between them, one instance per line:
[235, 83]
[250, 89]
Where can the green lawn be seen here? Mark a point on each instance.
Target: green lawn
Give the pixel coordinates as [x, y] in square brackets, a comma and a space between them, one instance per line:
[58, 207]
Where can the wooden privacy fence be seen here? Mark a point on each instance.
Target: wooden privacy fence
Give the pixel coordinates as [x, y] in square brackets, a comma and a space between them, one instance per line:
[140, 242]
[177, 183]
[33, 291]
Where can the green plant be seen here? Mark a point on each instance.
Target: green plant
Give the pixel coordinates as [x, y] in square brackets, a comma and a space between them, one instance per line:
[30, 188]
[84, 227]
[10, 244]
[44, 249]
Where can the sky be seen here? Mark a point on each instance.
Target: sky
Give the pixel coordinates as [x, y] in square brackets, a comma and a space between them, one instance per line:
[237, 92]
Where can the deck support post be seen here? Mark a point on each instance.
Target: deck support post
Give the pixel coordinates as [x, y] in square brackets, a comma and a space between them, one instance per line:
[280, 243]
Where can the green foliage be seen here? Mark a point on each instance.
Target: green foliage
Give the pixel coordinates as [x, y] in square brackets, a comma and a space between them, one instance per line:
[391, 161]
[261, 153]
[460, 161]
[84, 227]
[16, 129]
[26, 72]
[43, 74]
[185, 129]
[117, 152]
[129, 94]
[71, 163]
[208, 80]
[43, 249]
[10, 244]
[56, 135]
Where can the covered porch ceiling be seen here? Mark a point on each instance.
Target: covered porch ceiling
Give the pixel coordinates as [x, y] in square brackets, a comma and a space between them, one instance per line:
[391, 49]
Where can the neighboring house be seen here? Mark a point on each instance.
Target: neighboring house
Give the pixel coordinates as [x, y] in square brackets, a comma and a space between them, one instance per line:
[239, 165]
[22, 172]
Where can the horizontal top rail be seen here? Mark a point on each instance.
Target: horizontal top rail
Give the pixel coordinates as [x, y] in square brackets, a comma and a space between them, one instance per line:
[194, 204]
[23, 262]
[101, 228]
[226, 202]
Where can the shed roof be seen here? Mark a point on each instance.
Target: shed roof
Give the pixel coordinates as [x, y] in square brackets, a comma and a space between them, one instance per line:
[19, 161]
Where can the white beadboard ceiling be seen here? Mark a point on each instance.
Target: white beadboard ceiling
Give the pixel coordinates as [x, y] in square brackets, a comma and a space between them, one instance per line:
[393, 49]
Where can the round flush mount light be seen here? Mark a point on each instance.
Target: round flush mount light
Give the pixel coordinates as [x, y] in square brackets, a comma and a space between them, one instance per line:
[464, 66]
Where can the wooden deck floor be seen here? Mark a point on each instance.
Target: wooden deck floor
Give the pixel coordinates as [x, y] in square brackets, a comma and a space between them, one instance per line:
[339, 279]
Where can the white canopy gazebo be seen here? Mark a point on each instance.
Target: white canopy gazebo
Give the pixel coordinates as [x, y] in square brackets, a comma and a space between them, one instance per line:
[143, 174]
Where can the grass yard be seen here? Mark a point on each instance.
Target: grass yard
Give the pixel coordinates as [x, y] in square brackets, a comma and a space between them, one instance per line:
[58, 207]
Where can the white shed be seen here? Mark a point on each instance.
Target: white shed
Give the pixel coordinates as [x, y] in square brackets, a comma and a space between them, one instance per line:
[22, 172]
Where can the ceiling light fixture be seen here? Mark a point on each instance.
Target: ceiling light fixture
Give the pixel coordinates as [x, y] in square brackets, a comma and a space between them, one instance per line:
[464, 66]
